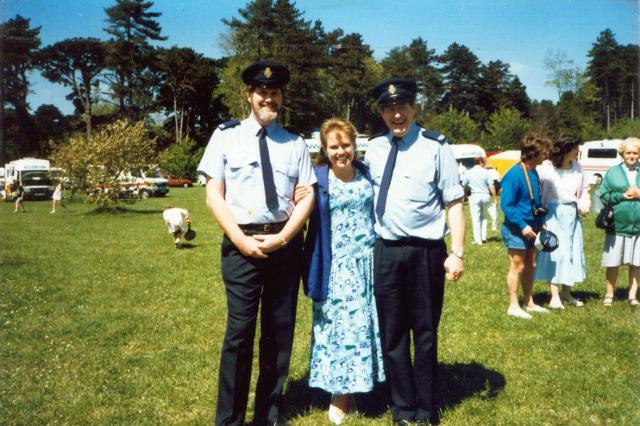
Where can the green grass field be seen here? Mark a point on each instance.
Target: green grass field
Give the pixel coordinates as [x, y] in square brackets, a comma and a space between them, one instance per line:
[103, 321]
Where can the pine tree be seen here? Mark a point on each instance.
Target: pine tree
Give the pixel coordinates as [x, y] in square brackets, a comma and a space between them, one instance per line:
[76, 63]
[277, 31]
[461, 70]
[419, 62]
[18, 47]
[131, 58]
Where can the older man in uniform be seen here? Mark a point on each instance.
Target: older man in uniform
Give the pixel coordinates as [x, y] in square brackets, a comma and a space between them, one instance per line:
[252, 167]
[415, 180]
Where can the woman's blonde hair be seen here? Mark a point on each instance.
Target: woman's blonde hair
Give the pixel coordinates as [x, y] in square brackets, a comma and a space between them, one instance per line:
[628, 141]
[335, 125]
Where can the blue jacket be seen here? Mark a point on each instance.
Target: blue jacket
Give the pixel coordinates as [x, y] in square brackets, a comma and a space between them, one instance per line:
[317, 245]
[515, 201]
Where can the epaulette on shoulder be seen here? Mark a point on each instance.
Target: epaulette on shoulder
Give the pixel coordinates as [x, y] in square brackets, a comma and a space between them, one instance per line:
[228, 124]
[293, 132]
[382, 133]
[436, 136]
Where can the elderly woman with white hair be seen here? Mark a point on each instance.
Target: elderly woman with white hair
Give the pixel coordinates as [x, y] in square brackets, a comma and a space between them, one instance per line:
[621, 190]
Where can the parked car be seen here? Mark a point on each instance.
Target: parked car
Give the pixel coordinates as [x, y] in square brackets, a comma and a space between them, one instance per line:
[176, 181]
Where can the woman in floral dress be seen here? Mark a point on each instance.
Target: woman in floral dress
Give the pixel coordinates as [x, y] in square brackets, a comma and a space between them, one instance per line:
[345, 353]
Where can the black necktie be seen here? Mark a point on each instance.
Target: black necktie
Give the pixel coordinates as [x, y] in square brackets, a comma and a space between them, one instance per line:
[270, 193]
[386, 177]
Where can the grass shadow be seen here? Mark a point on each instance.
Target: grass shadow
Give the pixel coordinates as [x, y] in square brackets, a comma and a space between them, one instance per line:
[118, 210]
[457, 383]
[300, 398]
[187, 246]
[462, 381]
[542, 297]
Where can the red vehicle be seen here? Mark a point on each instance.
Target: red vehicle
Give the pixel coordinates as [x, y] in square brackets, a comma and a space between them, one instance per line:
[180, 182]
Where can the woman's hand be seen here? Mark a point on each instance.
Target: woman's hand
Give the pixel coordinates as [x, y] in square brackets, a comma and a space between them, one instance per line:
[632, 194]
[301, 192]
[528, 232]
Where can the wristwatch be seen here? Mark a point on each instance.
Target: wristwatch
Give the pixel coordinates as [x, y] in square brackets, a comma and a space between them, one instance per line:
[458, 253]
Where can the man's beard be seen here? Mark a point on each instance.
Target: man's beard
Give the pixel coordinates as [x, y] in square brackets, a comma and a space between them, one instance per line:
[267, 115]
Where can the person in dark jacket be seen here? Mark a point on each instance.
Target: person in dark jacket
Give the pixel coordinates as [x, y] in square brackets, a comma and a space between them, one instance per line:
[345, 354]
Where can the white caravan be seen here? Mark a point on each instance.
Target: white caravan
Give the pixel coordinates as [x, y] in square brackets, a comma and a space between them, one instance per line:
[596, 157]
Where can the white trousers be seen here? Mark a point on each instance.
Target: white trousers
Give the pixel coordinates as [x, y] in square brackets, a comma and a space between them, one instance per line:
[493, 214]
[479, 206]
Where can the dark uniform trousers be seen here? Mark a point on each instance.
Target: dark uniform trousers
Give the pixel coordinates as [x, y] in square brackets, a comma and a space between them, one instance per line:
[272, 283]
[409, 291]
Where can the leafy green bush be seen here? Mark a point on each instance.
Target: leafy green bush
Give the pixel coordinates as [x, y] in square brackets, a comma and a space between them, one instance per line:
[181, 159]
[624, 128]
[456, 126]
[505, 130]
[95, 165]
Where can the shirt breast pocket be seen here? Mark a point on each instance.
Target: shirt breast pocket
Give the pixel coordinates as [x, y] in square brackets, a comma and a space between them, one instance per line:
[240, 171]
[420, 184]
[285, 177]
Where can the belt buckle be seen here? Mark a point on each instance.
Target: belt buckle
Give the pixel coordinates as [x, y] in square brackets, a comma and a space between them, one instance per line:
[266, 228]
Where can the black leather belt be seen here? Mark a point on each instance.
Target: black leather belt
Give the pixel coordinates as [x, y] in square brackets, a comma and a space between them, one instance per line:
[262, 228]
[412, 241]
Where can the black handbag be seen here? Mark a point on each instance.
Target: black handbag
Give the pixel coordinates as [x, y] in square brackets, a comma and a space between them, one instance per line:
[190, 234]
[605, 219]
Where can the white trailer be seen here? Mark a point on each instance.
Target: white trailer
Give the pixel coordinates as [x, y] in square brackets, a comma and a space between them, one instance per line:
[596, 157]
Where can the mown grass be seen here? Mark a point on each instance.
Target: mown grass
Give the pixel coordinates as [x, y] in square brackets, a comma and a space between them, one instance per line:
[103, 321]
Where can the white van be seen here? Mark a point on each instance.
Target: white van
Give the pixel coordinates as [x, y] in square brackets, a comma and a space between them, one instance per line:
[145, 184]
[34, 176]
[466, 154]
[596, 157]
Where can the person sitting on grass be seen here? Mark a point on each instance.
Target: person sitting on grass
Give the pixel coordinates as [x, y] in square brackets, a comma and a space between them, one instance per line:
[176, 220]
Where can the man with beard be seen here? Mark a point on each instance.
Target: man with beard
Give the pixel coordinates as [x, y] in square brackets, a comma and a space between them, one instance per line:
[251, 168]
[415, 181]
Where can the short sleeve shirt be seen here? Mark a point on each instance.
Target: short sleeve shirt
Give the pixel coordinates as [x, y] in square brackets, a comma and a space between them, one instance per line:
[425, 179]
[233, 156]
[478, 180]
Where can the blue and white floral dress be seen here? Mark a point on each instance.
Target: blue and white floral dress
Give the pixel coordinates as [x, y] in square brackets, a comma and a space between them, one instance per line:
[345, 353]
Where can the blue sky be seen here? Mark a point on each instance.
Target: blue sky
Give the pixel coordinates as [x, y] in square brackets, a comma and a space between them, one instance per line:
[518, 32]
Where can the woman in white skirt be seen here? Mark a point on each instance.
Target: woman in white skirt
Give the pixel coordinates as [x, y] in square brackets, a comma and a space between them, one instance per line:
[565, 193]
[57, 198]
[621, 189]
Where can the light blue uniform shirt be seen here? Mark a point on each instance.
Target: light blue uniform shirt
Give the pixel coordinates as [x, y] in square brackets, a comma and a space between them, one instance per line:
[425, 179]
[233, 156]
[478, 180]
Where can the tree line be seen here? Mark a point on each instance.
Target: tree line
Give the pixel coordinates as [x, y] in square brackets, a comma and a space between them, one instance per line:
[181, 95]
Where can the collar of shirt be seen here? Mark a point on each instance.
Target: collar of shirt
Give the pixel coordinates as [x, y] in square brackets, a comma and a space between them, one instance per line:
[633, 167]
[409, 138]
[254, 127]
